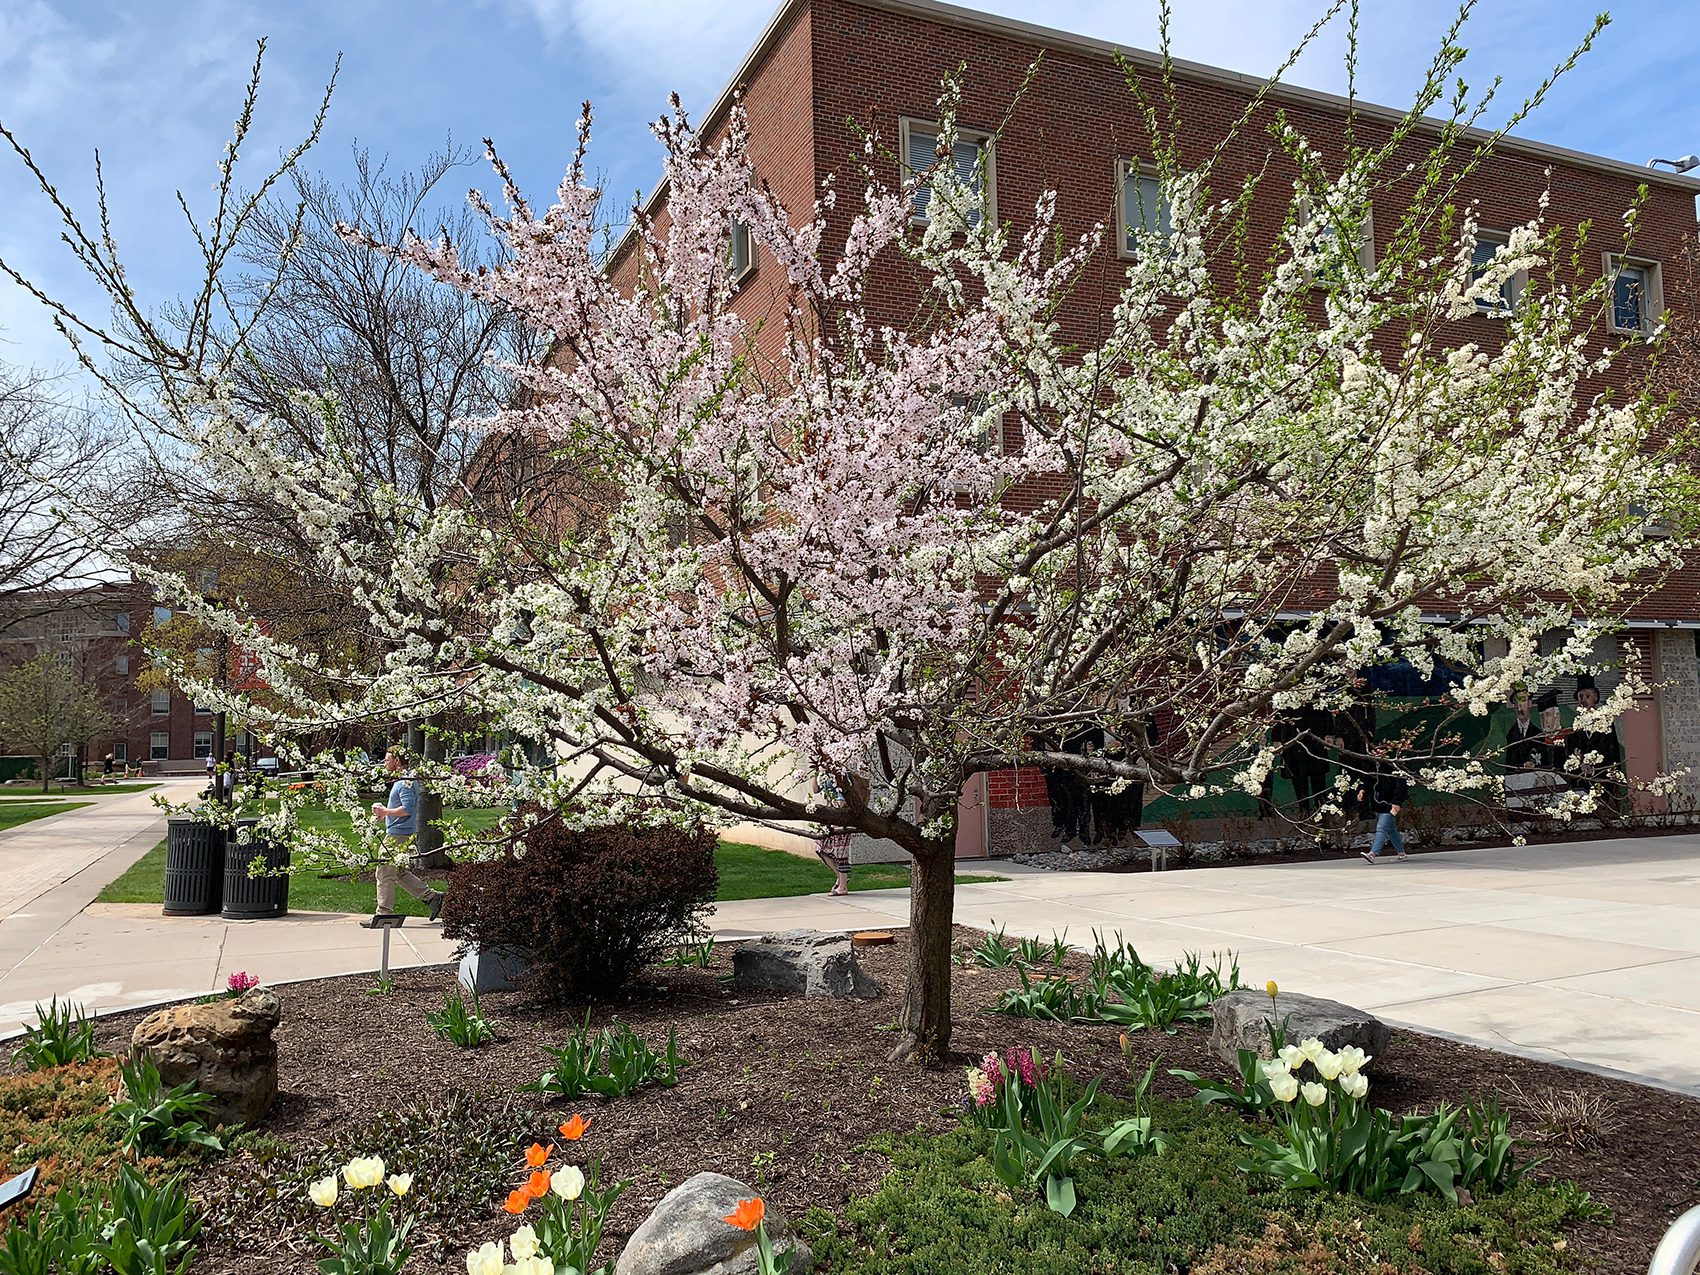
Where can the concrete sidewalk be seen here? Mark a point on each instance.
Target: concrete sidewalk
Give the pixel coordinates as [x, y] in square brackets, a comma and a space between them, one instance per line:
[1587, 952]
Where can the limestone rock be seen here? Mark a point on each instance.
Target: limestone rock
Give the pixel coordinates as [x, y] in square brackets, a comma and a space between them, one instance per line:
[1240, 1021]
[225, 1047]
[686, 1234]
[803, 961]
[497, 969]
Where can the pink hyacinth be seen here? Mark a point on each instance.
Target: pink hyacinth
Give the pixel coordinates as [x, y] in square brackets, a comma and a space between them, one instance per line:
[980, 1088]
[240, 982]
[1024, 1065]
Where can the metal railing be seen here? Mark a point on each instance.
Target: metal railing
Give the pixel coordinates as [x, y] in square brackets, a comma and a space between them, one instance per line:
[1679, 1252]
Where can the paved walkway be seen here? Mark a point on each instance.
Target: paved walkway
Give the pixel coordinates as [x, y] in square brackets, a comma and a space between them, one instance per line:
[1587, 952]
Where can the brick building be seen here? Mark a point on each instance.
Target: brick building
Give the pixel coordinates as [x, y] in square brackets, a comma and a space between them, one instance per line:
[97, 629]
[825, 70]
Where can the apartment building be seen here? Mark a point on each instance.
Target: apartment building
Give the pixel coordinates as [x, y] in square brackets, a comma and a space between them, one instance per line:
[825, 72]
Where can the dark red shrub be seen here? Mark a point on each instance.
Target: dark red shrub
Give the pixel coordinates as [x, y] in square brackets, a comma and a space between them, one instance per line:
[592, 906]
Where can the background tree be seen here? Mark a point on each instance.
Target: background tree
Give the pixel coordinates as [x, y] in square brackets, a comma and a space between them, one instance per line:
[45, 705]
[43, 553]
[807, 559]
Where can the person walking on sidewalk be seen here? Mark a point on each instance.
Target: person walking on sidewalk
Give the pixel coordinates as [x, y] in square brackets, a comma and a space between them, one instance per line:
[401, 825]
[1384, 793]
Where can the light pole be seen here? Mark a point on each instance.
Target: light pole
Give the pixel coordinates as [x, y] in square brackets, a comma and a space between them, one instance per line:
[1677, 165]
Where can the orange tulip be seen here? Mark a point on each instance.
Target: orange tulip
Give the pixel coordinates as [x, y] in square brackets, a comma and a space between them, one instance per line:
[574, 1129]
[538, 1184]
[748, 1215]
[517, 1201]
[536, 1154]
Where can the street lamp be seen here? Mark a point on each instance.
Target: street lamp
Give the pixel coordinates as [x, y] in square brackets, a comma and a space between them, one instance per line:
[1677, 165]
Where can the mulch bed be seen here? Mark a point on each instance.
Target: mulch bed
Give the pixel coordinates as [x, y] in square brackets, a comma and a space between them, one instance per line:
[783, 1093]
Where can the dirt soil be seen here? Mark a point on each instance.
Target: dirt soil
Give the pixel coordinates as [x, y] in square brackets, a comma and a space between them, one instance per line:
[783, 1092]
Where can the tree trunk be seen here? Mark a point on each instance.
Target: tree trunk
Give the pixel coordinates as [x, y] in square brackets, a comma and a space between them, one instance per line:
[428, 852]
[46, 772]
[925, 1016]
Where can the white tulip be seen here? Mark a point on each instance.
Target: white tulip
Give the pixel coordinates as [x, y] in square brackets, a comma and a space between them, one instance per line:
[1353, 1060]
[1292, 1057]
[1284, 1087]
[1274, 1068]
[568, 1182]
[1314, 1093]
[401, 1183]
[323, 1192]
[1328, 1065]
[363, 1172]
[1356, 1084]
[524, 1243]
[486, 1259]
[1312, 1048]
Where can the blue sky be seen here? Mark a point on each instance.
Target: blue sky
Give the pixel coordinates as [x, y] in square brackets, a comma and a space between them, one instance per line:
[155, 83]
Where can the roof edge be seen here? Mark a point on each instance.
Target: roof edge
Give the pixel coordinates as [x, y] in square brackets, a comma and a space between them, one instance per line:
[1032, 32]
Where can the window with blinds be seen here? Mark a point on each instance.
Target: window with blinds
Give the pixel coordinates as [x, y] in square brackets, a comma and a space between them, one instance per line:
[1143, 209]
[970, 159]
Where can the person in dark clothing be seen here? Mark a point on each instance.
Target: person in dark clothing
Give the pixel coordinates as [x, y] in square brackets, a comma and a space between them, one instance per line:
[1384, 794]
[1523, 746]
[1590, 755]
[1083, 741]
[1062, 789]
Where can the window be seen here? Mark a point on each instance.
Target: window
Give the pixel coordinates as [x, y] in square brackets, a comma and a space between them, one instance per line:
[162, 615]
[121, 621]
[1488, 244]
[203, 710]
[1326, 232]
[741, 252]
[1142, 208]
[120, 750]
[159, 745]
[970, 158]
[203, 743]
[1636, 300]
[122, 664]
[161, 700]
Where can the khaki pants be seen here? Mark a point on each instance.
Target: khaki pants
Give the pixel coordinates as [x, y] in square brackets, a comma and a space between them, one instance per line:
[392, 873]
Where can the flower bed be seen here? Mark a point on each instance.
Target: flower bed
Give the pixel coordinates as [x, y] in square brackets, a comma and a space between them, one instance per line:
[796, 1098]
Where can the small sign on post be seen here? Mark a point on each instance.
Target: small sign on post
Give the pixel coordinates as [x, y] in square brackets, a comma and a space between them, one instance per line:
[385, 921]
[1159, 840]
[14, 1189]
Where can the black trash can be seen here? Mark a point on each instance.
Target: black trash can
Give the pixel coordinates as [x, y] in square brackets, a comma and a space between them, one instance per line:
[194, 866]
[255, 898]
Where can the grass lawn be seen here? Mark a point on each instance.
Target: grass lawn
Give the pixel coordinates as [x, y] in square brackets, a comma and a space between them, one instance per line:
[13, 813]
[33, 792]
[746, 872]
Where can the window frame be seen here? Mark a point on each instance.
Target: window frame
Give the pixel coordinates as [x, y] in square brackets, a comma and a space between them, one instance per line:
[983, 138]
[736, 275]
[121, 750]
[1652, 298]
[195, 745]
[121, 665]
[158, 751]
[1515, 284]
[1126, 168]
[154, 702]
[1366, 242]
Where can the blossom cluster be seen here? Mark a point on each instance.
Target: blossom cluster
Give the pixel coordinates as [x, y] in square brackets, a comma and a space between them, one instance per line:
[360, 1173]
[1020, 1063]
[1345, 1068]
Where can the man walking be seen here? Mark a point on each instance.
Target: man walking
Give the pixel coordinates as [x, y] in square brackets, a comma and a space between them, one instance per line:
[1384, 793]
[401, 825]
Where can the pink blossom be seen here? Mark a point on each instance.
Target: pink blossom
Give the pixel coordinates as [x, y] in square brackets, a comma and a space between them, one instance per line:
[241, 982]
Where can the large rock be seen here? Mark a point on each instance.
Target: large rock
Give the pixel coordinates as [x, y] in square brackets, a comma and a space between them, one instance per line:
[225, 1047]
[498, 969]
[1241, 1021]
[803, 961]
[687, 1234]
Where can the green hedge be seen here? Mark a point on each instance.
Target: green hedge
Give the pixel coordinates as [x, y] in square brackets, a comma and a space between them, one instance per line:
[17, 768]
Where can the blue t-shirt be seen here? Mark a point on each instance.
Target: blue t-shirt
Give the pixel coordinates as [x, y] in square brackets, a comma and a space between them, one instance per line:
[404, 795]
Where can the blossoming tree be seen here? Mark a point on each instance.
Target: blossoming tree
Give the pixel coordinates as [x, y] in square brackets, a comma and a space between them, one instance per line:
[790, 550]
